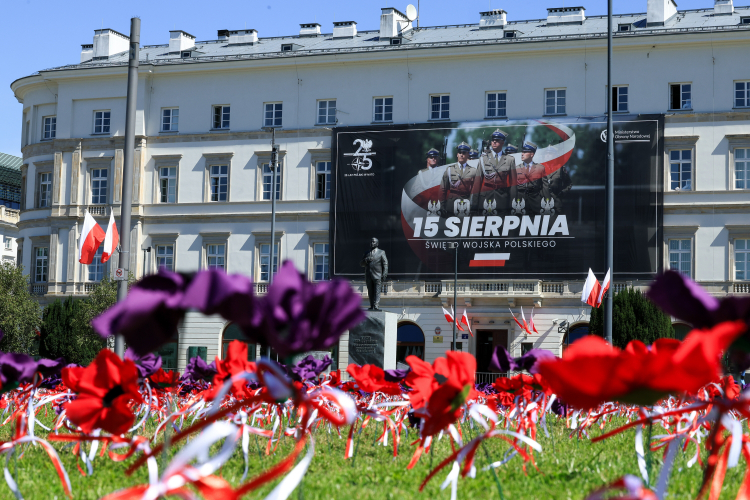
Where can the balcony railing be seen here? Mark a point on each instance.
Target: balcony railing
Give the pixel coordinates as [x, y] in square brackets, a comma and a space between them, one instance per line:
[38, 289]
[487, 377]
[9, 214]
[260, 287]
[97, 210]
[741, 287]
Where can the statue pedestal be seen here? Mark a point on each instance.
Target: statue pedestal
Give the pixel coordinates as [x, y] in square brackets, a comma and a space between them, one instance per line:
[373, 342]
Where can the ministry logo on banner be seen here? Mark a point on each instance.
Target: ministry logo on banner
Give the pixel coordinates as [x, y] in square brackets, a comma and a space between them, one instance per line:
[361, 157]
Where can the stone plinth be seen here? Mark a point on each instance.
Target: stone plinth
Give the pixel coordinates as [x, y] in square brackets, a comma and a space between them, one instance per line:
[373, 342]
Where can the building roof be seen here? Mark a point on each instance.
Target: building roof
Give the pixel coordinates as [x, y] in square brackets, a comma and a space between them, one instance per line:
[11, 161]
[688, 21]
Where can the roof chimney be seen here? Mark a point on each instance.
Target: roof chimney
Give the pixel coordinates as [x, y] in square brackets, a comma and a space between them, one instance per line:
[87, 52]
[179, 40]
[393, 23]
[723, 7]
[309, 29]
[492, 19]
[659, 12]
[109, 42]
[344, 29]
[565, 15]
[239, 37]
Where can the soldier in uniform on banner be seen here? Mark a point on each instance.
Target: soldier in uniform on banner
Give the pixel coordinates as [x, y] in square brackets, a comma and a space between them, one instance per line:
[457, 184]
[559, 183]
[433, 155]
[533, 186]
[496, 179]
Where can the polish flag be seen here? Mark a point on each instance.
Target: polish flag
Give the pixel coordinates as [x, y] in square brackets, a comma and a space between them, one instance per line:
[525, 326]
[605, 287]
[449, 318]
[532, 321]
[489, 259]
[465, 321]
[92, 236]
[522, 327]
[111, 239]
[591, 290]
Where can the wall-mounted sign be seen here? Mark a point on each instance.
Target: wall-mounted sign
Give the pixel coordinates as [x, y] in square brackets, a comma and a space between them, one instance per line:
[437, 330]
[437, 339]
[464, 335]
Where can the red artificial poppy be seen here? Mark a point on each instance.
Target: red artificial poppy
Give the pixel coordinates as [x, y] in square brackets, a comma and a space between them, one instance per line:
[105, 390]
[593, 372]
[371, 378]
[730, 388]
[235, 363]
[440, 390]
[165, 380]
[509, 388]
[334, 379]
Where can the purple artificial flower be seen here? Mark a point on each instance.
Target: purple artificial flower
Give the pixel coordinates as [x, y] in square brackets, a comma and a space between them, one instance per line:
[503, 362]
[396, 375]
[17, 368]
[559, 408]
[147, 365]
[310, 368]
[49, 367]
[197, 370]
[215, 292]
[299, 316]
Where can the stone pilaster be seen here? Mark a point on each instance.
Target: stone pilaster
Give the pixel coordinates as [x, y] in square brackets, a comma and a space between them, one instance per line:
[118, 175]
[57, 180]
[75, 173]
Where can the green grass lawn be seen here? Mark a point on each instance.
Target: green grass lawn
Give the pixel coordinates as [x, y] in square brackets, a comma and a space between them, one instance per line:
[568, 469]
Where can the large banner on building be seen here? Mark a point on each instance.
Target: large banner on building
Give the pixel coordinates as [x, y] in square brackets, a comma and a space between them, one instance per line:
[524, 199]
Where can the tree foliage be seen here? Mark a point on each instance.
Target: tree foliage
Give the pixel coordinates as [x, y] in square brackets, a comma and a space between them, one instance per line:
[19, 312]
[61, 336]
[634, 317]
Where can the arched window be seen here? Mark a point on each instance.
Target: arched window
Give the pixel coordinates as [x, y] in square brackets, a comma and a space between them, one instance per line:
[681, 330]
[410, 342]
[233, 332]
[577, 331]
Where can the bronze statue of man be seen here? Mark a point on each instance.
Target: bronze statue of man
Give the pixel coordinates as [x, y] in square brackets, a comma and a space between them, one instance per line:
[376, 272]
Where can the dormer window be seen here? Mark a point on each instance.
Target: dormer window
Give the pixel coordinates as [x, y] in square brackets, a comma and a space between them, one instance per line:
[395, 41]
[509, 34]
[287, 47]
[624, 27]
[745, 20]
[185, 54]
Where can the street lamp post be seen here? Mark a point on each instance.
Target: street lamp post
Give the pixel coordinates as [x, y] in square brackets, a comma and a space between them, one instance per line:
[610, 181]
[454, 245]
[272, 166]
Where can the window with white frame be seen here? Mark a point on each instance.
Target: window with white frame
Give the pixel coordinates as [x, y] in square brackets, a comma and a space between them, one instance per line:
[264, 261]
[219, 182]
[496, 105]
[741, 168]
[49, 127]
[323, 180]
[680, 96]
[96, 268]
[742, 259]
[8, 241]
[45, 189]
[216, 256]
[170, 119]
[681, 256]
[680, 169]
[99, 186]
[220, 117]
[101, 122]
[742, 94]
[440, 107]
[273, 114]
[41, 255]
[268, 180]
[382, 109]
[165, 257]
[554, 101]
[320, 260]
[326, 112]
[167, 184]
[619, 99]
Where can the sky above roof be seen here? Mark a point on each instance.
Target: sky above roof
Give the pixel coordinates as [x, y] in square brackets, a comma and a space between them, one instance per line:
[51, 33]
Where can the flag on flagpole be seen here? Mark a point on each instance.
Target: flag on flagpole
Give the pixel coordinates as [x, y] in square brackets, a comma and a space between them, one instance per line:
[92, 236]
[516, 320]
[533, 327]
[465, 321]
[591, 290]
[448, 316]
[525, 325]
[605, 287]
[111, 239]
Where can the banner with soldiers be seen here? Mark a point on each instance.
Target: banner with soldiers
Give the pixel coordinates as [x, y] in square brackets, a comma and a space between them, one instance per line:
[524, 199]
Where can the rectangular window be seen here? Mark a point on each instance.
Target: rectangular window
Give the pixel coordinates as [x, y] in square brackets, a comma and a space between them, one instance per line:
[320, 256]
[216, 256]
[221, 117]
[680, 169]
[742, 94]
[526, 347]
[619, 99]
[441, 107]
[741, 168]
[273, 112]
[101, 122]
[742, 259]
[554, 102]
[496, 102]
[50, 127]
[165, 257]
[323, 180]
[382, 109]
[167, 184]
[96, 268]
[265, 260]
[8, 242]
[680, 96]
[268, 179]
[326, 112]
[98, 186]
[170, 119]
[219, 182]
[45, 190]
[40, 264]
[680, 256]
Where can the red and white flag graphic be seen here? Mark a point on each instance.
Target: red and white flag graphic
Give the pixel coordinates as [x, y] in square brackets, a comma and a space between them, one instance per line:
[489, 259]
[92, 236]
[111, 239]
[591, 290]
[449, 318]
[465, 321]
[605, 287]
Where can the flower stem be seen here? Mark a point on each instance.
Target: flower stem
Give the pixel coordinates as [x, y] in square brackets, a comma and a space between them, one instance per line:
[356, 447]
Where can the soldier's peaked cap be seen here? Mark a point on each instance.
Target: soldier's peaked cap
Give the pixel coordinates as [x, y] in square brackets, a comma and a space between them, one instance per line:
[434, 153]
[474, 154]
[464, 147]
[510, 149]
[529, 147]
[499, 134]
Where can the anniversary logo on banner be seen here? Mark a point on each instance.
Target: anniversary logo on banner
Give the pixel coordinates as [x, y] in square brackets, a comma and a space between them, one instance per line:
[524, 199]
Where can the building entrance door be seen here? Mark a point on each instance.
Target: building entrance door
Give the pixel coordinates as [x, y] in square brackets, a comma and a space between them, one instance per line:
[487, 340]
